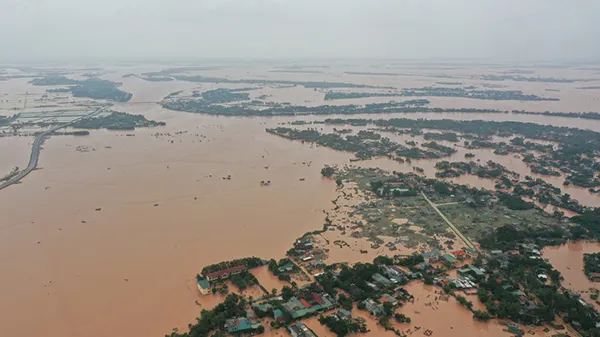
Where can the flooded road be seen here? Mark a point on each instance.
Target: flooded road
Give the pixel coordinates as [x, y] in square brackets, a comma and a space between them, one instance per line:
[106, 239]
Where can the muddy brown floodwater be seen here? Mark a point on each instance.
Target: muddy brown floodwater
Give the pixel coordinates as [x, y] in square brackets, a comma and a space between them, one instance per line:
[84, 251]
[568, 260]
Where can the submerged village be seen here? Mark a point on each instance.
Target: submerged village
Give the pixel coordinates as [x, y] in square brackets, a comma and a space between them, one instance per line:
[401, 219]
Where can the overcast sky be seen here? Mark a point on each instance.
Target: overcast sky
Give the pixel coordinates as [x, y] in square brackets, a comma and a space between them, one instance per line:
[501, 30]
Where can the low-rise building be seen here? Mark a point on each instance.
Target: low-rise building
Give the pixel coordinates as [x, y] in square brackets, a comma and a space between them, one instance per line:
[381, 279]
[449, 257]
[203, 286]
[300, 330]
[238, 325]
[343, 314]
[373, 307]
[225, 273]
[388, 298]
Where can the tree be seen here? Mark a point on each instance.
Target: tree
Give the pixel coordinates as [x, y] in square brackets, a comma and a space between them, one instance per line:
[463, 301]
[383, 260]
[483, 295]
[388, 309]
[481, 315]
[327, 171]
[287, 293]
[401, 318]
[577, 232]
[427, 279]
[345, 302]
[274, 291]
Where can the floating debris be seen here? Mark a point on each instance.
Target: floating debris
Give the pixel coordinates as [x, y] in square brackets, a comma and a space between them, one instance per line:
[155, 205]
[98, 209]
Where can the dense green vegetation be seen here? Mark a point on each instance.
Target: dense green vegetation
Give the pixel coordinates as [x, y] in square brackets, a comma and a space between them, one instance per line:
[343, 327]
[509, 237]
[506, 294]
[515, 202]
[215, 319]
[93, 88]
[365, 145]
[590, 220]
[257, 108]
[591, 265]
[100, 89]
[116, 121]
[491, 170]
[244, 280]
[574, 155]
[225, 95]
[250, 262]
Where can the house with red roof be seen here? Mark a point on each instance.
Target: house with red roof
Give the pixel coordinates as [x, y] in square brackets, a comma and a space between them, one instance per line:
[460, 254]
[305, 303]
[225, 273]
[317, 298]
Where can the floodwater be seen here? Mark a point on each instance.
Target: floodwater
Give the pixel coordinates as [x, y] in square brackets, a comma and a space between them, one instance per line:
[106, 239]
[14, 151]
[450, 318]
[568, 260]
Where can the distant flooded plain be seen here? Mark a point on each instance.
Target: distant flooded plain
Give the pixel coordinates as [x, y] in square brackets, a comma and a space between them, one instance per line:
[106, 238]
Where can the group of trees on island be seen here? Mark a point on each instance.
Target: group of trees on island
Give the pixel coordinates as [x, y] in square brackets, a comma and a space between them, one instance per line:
[365, 145]
[116, 121]
[92, 87]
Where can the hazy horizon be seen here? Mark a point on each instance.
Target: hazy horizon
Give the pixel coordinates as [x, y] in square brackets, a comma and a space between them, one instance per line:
[185, 30]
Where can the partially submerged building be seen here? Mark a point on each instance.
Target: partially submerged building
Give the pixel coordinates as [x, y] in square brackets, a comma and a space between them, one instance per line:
[225, 273]
[300, 330]
[203, 286]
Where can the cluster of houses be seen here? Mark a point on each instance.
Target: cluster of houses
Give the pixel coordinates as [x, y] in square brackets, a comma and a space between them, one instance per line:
[310, 256]
[203, 284]
[468, 277]
[300, 308]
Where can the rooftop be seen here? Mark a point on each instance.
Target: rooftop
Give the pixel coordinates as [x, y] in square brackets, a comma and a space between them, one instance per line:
[203, 284]
[225, 271]
[301, 330]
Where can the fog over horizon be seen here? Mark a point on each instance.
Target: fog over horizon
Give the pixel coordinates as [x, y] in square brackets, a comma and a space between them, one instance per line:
[425, 30]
